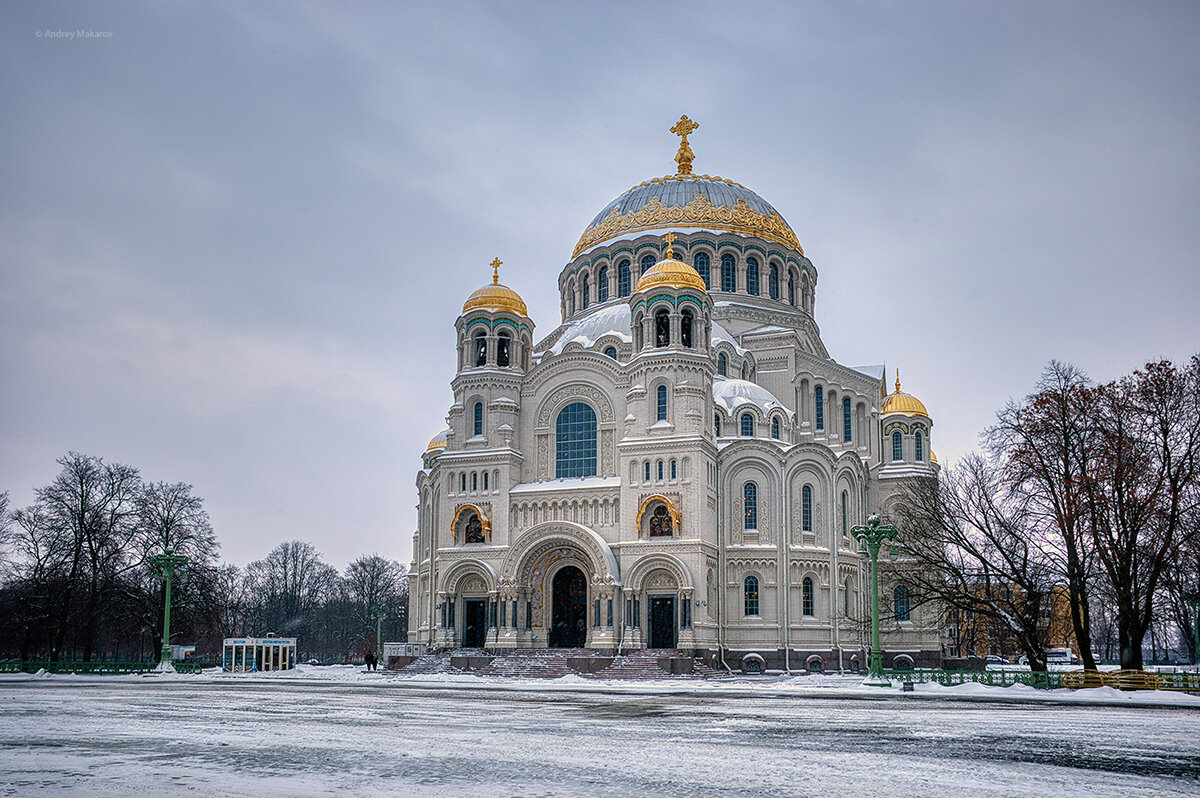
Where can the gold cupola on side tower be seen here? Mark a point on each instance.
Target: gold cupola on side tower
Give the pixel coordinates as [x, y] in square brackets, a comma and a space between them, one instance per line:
[496, 297]
[670, 272]
[900, 403]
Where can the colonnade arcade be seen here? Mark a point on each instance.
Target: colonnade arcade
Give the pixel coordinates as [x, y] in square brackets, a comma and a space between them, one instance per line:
[559, 587]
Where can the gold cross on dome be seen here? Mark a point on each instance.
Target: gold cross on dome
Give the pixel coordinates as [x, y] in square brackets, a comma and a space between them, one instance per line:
[685, 155]
[670, 239]
[496, 264]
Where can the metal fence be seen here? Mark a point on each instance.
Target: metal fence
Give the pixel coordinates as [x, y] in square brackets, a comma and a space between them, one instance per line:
[115, 667]
[1049, 680]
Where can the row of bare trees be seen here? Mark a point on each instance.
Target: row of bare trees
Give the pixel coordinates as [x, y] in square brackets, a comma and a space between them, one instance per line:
[1083, 491]
[75, 582]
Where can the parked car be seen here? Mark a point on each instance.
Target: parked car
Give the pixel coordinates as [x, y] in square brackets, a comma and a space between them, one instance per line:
[992, 659]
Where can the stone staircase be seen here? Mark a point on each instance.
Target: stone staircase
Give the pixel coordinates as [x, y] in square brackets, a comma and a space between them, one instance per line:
[554, 663]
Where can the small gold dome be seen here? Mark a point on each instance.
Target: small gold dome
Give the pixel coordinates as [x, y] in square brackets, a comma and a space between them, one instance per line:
[933, 457]
[899, 403]
[438, 441]
[496, 297]
[673, 274]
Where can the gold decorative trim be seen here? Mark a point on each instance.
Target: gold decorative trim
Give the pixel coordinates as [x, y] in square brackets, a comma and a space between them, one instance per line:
[698, 212]
[671, 509]
[484, 522]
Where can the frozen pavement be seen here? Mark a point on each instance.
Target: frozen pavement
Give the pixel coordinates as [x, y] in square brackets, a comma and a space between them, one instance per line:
[325, 731]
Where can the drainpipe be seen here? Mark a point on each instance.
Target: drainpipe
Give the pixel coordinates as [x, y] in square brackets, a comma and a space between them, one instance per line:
[837, 579]
[785, 557]
[721, 572]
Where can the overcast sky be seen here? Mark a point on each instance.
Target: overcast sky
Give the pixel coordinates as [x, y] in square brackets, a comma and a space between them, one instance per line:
[234, 237]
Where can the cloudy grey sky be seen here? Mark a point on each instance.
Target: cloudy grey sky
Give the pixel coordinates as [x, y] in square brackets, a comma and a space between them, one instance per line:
[234, 236]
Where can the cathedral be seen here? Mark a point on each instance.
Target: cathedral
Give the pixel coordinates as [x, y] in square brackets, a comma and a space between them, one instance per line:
[679, 464]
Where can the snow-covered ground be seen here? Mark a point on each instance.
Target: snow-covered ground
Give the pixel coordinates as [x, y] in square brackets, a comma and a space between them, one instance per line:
[321, 731]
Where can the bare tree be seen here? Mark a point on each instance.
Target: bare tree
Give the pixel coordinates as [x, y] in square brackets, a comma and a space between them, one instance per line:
[372, 581]
[1145, 496]
[289, 585]
[1046, 445]
[973, 545]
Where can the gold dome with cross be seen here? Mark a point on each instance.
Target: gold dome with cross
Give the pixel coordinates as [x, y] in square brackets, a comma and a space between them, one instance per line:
[671, 273]
[496, 297]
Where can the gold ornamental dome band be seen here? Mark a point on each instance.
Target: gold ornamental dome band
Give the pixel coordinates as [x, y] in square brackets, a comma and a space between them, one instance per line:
[496, 297]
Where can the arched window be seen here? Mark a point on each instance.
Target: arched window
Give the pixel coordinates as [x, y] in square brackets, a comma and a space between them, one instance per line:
[585, 290]
[478, 412]
[662, 328]
[752, 276]
[791, 290]
[661, 414]
[722, 365]
[900, 603]
[819, 406]
[806, 591]
[920, 446]
[474, 481]
[646, 471]
[480, 348]
[647, 264]
[701, 264]
[846, 428]
[846, 600]
[602, 283]
[686, 320]
[674, 469]
[747, 425]
[845, 514]
[611, 351]
[728, 273]
[750, 592]
[806, 508]
[504, 349]
[897, 446]
[638, 331]
[575, 442]
[745, 371]
[485, 480]
[775, 427]
[750, 495]
[660, 470]
[717, 424]
[462, 482]
[623, 278]
[773, 281]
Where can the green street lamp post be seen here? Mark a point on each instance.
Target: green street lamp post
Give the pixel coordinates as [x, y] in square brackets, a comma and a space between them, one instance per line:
[1194, 600]
[872, 536]
[166, 564]
[380, 612]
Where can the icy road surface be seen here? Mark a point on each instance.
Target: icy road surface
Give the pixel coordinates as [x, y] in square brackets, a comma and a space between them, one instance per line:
[263, 737]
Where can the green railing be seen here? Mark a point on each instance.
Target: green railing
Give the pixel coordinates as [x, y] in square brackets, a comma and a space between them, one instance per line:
[1042, 680]
[1049, 680]
[114, 667]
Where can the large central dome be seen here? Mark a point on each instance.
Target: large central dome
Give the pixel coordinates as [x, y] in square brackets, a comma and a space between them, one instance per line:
[684, 201]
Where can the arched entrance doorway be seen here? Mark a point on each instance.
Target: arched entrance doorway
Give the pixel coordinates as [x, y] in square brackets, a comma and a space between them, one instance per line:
[568, 616]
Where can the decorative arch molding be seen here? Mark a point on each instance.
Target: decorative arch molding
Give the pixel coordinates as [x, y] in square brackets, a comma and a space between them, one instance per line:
[671, 508]
[458, 573]
[528, 548]
[484, 521]
[560, 397]
[654, 562]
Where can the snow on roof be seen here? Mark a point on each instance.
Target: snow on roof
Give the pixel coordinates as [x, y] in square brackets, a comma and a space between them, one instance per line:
[733, 393]
[874, 372]
[573, 483]
[720, 334]
[606, 320]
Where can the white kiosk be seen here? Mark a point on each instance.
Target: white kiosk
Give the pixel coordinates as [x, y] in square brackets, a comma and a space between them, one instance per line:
[259, 654]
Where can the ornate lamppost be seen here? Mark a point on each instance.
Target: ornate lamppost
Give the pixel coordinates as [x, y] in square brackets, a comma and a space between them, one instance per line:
[166, 564]
[1194, 600]
[380, 612]
[871, 537]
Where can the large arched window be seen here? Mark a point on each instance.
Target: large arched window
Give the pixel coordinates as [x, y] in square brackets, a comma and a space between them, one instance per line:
[623, 278]
[819, 406]
[728, 273]
[806, 508]
[747, 425]
[662, 328]
[752, 276]
[750, 594]
[647, 264]
[575, 442]
[920, 447]
[900, 603]
[602, 283]
[806, 592]
[585, 291]
[504, 349]
[791, 290]
[846, 427]
[722, 365]
[775, 427]
[750, 498]
[480, 348]
[661, 410]
[897, 446]
[773, 281]
[686, 322]
[478, 413]
[701, 264]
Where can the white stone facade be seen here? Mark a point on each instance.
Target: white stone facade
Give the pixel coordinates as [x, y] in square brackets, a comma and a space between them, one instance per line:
[731, 457]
